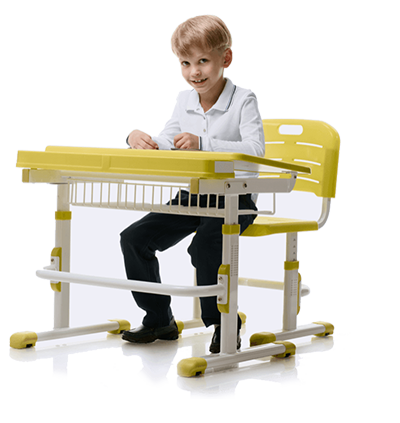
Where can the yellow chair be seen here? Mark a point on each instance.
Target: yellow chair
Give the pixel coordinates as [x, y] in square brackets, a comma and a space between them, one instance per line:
[314, 144]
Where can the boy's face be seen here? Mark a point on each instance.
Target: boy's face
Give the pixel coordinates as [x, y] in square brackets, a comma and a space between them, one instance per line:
[204, 70]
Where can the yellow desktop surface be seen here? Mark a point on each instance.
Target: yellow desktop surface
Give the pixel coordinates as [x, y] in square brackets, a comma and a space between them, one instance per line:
[181, 163]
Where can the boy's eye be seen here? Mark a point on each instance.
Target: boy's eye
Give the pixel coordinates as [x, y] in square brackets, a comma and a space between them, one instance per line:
[185, 63]
[203, 60]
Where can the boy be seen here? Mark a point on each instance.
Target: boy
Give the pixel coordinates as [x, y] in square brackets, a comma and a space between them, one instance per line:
[215, 116]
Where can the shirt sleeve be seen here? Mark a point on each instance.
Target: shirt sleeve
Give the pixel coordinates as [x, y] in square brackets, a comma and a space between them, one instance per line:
[251, 132]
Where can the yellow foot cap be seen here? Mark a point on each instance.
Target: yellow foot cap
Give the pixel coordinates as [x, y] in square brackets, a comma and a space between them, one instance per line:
[290, 349]
[123, 325]
[190, 367]
[243, 317]
[23, 340]
[262, 338]
[329, 328]
[180, 325]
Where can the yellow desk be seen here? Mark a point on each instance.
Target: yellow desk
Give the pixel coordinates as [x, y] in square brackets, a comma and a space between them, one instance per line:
[145, 180]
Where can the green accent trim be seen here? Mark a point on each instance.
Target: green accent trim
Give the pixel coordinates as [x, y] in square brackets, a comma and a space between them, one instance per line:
[194, 185]
[56, 287]
[243, 317]
[57, 252]
[190, 367]
[123, 325]
[262, 338]
[329, 328]
[25, 175]
[63, 215]
[290, 349]
[180, 325]
[230, 229]
[291, 265]
[225, 269]
[23, 340]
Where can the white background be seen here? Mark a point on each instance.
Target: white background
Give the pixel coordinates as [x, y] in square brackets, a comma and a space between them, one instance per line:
[89, 79]
[373, 47]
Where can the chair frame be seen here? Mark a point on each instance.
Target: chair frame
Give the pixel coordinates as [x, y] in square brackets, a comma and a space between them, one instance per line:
[292, 286]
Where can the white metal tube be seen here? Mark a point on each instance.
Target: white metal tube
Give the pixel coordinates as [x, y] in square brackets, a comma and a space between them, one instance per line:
[305, 330]
[63, 240]
[138, 286]
[261, 283]
[290, 285]
[84, 330]
[326, 205]
[215, 361]
[194, 323]
[230, 255]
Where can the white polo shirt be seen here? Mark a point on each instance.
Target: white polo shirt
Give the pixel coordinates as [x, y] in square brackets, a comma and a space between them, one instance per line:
[233, 124]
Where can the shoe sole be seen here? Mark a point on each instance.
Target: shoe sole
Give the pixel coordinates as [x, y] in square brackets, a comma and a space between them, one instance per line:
[169, 337]
[147, 340]
[138, 341]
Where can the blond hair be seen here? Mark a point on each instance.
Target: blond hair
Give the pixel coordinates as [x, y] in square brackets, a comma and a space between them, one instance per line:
[207, 32]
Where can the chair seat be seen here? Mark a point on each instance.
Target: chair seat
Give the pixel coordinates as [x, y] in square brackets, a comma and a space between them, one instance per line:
[265, 225]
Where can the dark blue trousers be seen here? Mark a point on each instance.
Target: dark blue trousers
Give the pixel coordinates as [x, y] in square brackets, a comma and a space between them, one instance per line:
[158, 232]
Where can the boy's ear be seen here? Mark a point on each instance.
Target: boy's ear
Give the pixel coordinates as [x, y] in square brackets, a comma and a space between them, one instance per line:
[227, 57]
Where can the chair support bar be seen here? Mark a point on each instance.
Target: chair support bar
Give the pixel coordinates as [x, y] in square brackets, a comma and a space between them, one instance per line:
[261, 283]
[326, 205]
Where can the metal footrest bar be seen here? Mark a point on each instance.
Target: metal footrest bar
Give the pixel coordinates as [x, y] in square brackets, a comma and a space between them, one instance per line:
[189, 324]
[138, 286]
[28, 339]
[195, 366]
[198, 323]
[261, 338]
[263, 344]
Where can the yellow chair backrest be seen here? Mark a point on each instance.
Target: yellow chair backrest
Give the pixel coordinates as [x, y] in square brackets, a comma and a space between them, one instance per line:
[310, 143]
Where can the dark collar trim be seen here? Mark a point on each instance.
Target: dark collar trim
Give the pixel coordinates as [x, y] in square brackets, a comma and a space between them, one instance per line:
[230, 100]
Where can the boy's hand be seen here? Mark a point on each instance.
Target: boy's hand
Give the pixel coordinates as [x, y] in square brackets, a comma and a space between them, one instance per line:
[186, 140]
[142, 141]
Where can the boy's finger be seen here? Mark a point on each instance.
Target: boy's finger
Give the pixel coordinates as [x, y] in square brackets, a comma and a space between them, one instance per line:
[149, 142]
[178, 138]
[180, 143]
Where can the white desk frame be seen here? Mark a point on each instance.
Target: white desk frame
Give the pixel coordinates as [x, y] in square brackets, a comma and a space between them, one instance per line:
[226, 290]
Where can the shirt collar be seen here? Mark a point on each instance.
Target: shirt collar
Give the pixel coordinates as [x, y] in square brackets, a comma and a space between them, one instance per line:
[224, 100]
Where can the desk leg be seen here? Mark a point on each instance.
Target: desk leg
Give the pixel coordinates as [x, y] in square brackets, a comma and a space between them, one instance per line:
[63, 241]
[230, 256]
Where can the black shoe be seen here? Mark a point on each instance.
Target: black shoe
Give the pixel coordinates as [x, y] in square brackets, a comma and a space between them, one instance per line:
[215, 346]
[145, 335]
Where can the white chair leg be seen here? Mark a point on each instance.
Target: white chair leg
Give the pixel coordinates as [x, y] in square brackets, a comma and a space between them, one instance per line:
[290, 289]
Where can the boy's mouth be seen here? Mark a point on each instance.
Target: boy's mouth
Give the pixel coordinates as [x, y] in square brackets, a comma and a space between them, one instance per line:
[199, 81]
